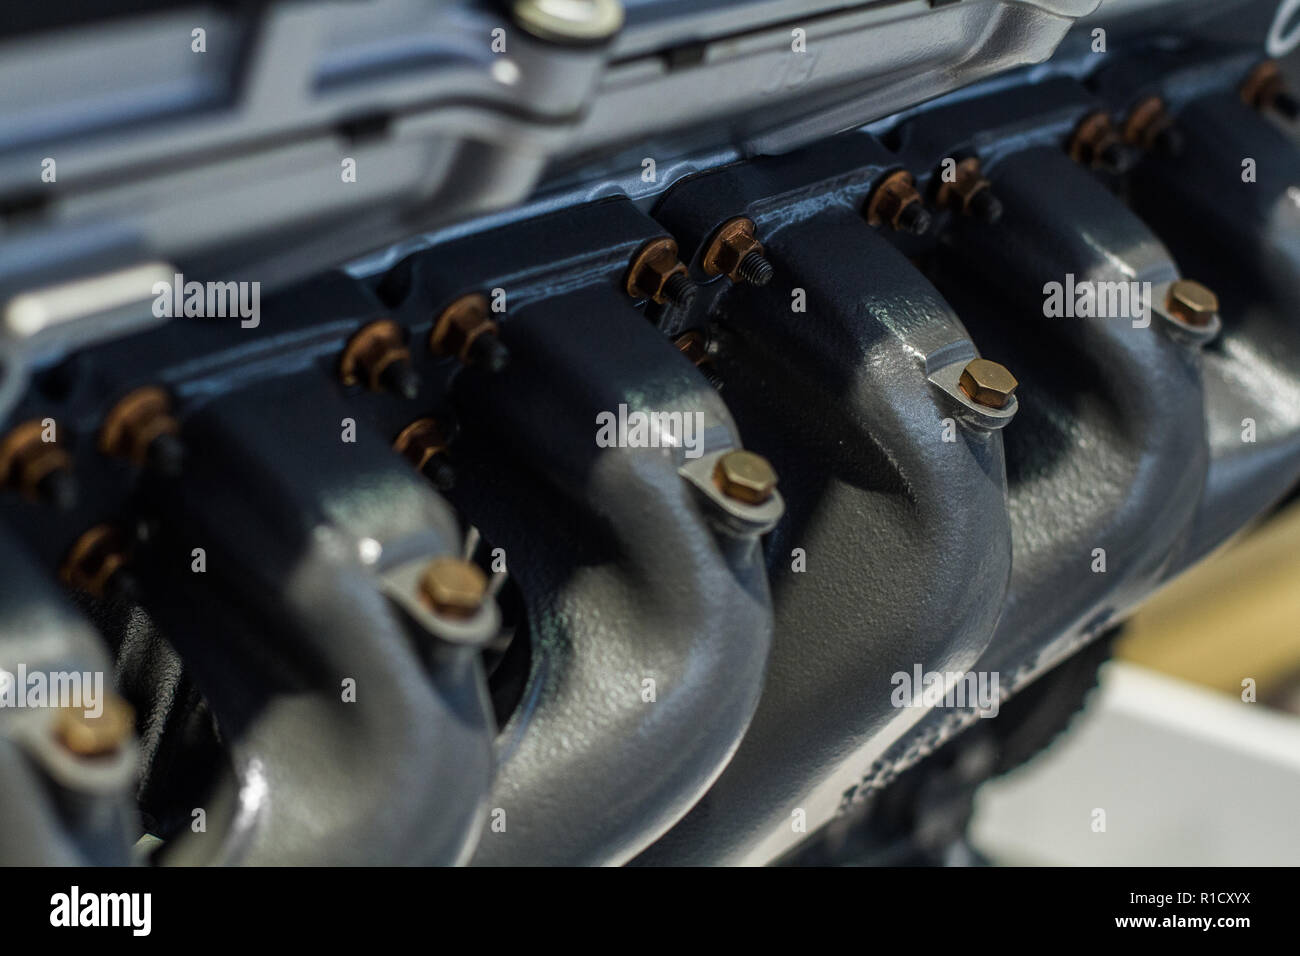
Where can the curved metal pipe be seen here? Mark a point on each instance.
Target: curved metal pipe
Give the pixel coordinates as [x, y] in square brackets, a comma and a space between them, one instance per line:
[1243, 240]
[1109, 451]
[844, 397]
[630, 577]
[298, 529]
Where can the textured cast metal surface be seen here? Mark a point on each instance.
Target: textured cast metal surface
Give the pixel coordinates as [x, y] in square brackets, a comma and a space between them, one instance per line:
[665, 666]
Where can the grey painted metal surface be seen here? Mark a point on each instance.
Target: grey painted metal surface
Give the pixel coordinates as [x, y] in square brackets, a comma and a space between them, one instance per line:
[227, 160]
[771, 685]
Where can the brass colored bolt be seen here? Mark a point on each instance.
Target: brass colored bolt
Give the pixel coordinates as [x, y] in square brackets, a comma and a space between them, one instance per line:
[969, 193]
[896, 202]
[1265, 88]
[100, 736]
[745, 476]
[466, 330]
[987, 383]
[1191, 302]
[696, 348]
[377, 357]
[657, 274]
[453, 587]
[93, 560]
[735, 253]
[1096, 143]
[1149, 125]
[140, 427]
[424, 444]
[36, 468]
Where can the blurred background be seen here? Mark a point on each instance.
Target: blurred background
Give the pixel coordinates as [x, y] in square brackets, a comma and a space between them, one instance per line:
[1188, 769]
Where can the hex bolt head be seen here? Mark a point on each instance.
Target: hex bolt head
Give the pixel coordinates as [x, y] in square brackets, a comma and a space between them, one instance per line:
[465, 329]
[1265, 88]
[38, 469]
[453, 587]
[745, 476]
[736, 253]
[141, 429]
[1191, 302]
[657, 274]
[970, 193]
[377, 357]
[987, 383]
[896, 203]
[424, 444]
[96, 562]
[1149, 126]
[1097, 144]
[100, 736]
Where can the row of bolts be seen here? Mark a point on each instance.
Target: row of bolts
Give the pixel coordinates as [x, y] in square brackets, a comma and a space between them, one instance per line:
[141, 429]
[656, 273]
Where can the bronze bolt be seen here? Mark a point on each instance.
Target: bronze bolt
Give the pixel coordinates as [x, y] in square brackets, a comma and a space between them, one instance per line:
[987, 383]
[100, 736]
[745, 476]
[736, 254]
[466, 330]
[1096, 143]
[424, 444]
[696, 348]
[969, 193]
[377, 357]
[1148, 125]
[141, 429]
[36, 468]
[1191, 302]
[1265, 88]
[657, 274]
[896, 202]
[453, 587]
[95, 557]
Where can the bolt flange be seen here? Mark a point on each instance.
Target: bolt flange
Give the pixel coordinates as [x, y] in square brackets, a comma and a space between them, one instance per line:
[1265, 88]
[424, 444]
[1097, 144]
[377, 357]
[969, 193]
[96, 558]
[987, 383]
[1149, 126]
[897, 203]
[734, 252]
[657, 274]
[466, 330]
[141, 429]
[39, 470]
